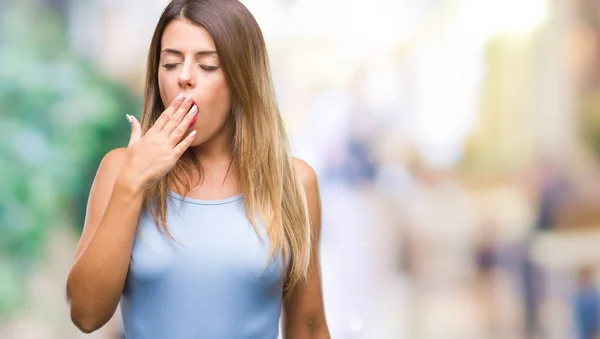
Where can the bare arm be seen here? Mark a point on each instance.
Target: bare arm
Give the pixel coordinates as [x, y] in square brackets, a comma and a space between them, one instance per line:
[97, 276]
[304, 314]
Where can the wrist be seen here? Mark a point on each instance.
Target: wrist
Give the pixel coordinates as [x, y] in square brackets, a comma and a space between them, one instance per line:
[129, 184]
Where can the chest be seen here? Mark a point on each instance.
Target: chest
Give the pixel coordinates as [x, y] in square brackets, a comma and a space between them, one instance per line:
[213, 242]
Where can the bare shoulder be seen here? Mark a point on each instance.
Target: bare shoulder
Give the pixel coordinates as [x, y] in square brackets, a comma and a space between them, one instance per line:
[100, 193]
[109, 169]
[306, 173]
[114, 159]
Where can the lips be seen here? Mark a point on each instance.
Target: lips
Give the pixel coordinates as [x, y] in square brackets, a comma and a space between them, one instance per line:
[196, 117]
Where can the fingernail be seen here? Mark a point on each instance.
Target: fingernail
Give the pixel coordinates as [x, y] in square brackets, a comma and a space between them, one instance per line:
[179, 97]
[129, 118]
[188, 98]
[194, 110]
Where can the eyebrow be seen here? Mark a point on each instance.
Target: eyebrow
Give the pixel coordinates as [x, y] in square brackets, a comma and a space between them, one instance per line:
[174, 51]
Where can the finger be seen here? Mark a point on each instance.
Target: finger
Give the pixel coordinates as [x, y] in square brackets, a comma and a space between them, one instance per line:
[177, 116]
[184, 145]
[183, 126]
[136, 130]
[165, 117]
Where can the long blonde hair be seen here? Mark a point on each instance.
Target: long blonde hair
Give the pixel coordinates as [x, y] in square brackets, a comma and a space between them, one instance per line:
[259, 143]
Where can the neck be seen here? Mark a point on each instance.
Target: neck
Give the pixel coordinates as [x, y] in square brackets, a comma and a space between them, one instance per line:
[216, 150]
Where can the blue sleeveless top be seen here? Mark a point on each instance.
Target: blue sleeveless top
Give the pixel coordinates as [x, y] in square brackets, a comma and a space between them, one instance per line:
[214, 284]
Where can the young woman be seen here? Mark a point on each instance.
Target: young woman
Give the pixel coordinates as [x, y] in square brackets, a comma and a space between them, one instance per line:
[204, 226]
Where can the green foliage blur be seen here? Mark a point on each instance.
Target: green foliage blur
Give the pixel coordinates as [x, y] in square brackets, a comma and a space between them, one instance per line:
[58, 117]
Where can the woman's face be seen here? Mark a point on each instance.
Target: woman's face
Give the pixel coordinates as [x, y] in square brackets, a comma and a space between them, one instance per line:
[189, 64]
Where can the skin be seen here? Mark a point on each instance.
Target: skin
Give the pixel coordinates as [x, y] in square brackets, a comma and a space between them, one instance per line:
[189, 75]
[304, 314]
[189, 64]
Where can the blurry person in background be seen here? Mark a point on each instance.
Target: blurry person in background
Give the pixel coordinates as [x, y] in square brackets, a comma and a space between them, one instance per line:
[355, 163]
[204, 226]
[554, 190]
[487, 262]
[586, 305]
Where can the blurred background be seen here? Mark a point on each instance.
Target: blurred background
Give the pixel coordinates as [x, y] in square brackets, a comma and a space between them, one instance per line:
[457, 144]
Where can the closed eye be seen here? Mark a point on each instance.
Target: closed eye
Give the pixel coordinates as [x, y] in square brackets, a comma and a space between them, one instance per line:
[204, 67]
[169, 66]
[209, 68]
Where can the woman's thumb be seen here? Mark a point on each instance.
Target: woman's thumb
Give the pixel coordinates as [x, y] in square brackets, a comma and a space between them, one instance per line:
[136, 130]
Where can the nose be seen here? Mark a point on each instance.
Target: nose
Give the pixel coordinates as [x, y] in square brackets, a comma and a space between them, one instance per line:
[186, 77]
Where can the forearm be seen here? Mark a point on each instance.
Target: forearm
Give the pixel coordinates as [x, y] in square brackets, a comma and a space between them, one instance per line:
[97, 277]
